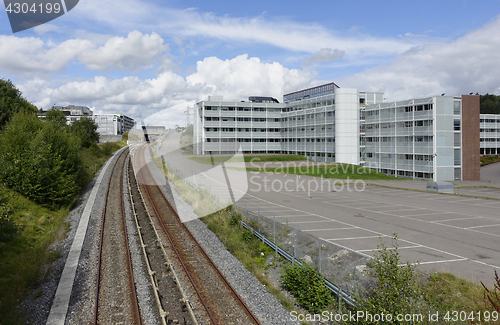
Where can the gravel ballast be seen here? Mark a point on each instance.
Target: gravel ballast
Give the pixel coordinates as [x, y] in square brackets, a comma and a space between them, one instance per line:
[255, 295]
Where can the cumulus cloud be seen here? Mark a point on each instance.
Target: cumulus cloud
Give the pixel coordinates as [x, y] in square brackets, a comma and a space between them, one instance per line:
[324, 55]
[32, 55]
[468, 64]
[241, 77]
[130, 53]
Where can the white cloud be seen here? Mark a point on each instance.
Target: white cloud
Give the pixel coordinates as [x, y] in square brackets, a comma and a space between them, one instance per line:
[240, 77]
[130, 53]
[469, 64]
[324, 55]
[31, 55]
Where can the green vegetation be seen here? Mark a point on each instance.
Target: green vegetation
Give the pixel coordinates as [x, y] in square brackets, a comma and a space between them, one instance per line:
[45, 166]
[492, 296]
[85, 129]
[490, 104]
[486, 160]
[12, 102]
[308, 286]
[340, 171]
[397, 287]
[40, 159]
[247, 248]
[256, 159]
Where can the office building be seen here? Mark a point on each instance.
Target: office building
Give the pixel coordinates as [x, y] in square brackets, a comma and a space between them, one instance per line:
[429, 138]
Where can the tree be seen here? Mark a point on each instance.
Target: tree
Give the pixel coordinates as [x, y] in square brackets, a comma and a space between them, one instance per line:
[85, 129]
[11, 102]
[489, 104]
[57, 116]
[40, 159]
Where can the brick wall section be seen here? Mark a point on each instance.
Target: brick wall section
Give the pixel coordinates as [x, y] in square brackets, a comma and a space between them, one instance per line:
[470, 138]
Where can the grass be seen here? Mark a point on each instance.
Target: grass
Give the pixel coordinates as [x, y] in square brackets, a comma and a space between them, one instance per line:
[340, 171]
[446, 292]
[486, 160]
[23, 259]
[243, 158]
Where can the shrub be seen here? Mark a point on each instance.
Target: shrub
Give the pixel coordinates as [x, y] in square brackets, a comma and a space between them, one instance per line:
[308, 287]
[396, 289]
[41, 160]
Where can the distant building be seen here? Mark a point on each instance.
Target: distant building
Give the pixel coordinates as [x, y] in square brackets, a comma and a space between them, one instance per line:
[72, 112]
[113, 124]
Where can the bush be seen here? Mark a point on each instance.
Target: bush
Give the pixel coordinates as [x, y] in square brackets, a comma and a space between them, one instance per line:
[308, 287]
[41, 160]
[397, 287]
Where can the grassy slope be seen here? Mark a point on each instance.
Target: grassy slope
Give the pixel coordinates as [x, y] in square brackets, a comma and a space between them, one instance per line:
[22, 260]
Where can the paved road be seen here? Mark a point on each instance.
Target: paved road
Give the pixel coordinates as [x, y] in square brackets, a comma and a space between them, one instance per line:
[448, 233]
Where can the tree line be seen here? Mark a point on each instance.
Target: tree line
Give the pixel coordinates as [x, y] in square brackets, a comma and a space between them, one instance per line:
[489, 104]
[41, 159]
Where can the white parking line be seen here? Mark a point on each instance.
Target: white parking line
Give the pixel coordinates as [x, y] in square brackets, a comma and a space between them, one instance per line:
[329, 228]
[498, 224]
[349, 238]
[377, 249]
[444, 261]
[456, 219]
[416, 215]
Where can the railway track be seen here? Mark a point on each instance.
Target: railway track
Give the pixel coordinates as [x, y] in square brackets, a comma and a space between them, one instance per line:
[213, 298]
[116, 298]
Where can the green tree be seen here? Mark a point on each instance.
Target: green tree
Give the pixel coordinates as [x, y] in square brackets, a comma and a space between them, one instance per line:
[56, 116]
[489, 104]
[11, 102]
[40, 159]
[85, 129]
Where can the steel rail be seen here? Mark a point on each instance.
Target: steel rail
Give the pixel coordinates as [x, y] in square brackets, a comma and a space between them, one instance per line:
[169, 263]
[135, 301]
[152, 274]
[201, 249]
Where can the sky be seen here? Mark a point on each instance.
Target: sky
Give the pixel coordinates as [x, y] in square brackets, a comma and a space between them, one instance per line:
[152, 59]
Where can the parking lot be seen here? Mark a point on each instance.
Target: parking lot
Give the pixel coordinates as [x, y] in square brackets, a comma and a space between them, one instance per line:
[449, 233]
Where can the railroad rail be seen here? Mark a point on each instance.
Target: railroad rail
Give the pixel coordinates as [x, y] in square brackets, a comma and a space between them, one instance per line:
[219, 300]
[116, 299]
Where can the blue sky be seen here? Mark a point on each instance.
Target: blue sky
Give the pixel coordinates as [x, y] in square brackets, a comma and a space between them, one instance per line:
[145, 57]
